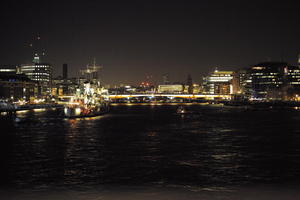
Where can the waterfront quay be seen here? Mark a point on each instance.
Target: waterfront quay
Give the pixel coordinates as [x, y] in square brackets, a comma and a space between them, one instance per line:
[152, 99]
[9, 109]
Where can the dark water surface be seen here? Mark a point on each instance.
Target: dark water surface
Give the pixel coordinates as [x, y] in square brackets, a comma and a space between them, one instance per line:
[146, 152]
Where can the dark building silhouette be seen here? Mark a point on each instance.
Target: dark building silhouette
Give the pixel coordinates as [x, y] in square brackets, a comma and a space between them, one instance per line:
[17, 86]
[189, 83]
[166, 80]
[65, 71]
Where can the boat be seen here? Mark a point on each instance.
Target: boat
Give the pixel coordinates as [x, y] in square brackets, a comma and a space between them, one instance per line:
[91, 99]
[81, 110]
[183, 110]
[90, 103]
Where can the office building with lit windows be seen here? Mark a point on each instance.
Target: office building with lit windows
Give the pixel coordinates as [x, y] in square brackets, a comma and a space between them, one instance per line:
[39, 72]
[220, 83]
[272, 81]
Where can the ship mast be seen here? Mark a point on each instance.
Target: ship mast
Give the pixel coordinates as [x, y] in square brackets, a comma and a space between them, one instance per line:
[91, 73]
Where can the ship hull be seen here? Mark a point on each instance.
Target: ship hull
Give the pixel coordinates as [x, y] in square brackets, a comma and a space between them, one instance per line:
[78, 112]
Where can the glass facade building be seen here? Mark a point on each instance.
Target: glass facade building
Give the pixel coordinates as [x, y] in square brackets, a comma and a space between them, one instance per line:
[40, 72]
[220, 82]
[271, 81]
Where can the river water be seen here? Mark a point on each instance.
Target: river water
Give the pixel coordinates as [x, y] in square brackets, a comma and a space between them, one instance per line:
[146, 152]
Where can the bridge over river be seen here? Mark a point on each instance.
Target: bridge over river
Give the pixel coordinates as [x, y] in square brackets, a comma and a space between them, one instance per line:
[187, 96]
[161, 96]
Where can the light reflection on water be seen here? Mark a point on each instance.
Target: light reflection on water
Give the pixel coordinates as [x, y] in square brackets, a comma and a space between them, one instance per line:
[216, 147]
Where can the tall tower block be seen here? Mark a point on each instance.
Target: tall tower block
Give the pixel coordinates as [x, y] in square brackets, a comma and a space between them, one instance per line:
[65, 71]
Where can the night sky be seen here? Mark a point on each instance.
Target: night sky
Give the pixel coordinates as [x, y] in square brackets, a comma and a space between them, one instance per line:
[135, 39]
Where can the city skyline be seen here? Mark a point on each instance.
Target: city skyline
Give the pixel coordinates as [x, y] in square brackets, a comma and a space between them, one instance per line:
[149, 99]
[133, 40]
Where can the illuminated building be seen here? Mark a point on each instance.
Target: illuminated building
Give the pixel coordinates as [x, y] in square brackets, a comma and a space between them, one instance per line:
[242, 76]
[57, 86]
[195, 89]
[62, 86]
[272, 81]
[16, 87]
[124, 89]
[40, 72]
[170, 89]
[220, 82]
[292, 87]
[266, 80]
[15, 69]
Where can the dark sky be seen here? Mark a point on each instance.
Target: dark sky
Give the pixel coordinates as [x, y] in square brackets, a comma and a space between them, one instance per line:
[133, 39]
